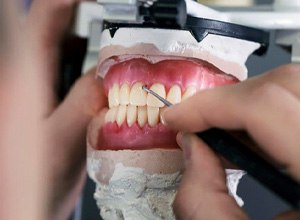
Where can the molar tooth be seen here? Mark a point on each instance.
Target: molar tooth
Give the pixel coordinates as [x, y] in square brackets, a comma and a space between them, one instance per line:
[138, 96]
[131, 115]
[121, 115]
[124, 94]
[113, 96]
[174, 95]
[190, 91]
[142, 115]
[153, 101]
[111, 115]
[153, 116]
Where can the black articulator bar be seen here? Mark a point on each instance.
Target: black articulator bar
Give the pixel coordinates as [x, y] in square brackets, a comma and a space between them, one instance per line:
[201, 27]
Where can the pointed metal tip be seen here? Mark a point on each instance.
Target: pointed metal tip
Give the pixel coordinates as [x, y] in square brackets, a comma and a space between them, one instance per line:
[145, 88]
[166, 102]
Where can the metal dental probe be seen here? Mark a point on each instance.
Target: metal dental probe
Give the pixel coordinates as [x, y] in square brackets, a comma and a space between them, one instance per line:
[238, 153]
[166, 102]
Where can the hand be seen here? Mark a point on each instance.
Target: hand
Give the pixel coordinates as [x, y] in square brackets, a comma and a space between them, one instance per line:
[42, 143]
[267, 107]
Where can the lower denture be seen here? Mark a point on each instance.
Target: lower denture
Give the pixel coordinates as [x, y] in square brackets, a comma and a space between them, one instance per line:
[183, 77]
[114, 137]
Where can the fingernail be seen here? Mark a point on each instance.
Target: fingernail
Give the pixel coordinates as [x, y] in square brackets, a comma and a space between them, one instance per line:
[167, 111]
[184, 141]
[162, 117]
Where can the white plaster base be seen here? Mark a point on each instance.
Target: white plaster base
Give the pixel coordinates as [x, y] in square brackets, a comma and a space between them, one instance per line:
[133, 194]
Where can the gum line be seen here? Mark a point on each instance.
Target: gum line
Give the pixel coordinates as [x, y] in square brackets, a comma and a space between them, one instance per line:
[184, 73]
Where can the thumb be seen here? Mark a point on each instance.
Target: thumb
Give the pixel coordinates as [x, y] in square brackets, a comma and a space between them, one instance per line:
[203, 193]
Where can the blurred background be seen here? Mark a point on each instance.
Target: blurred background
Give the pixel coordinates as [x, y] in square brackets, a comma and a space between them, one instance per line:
[234, 3]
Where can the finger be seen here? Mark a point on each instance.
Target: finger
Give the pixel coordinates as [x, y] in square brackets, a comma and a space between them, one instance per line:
[69, 121]
[9, 17]
[45, 26]
[95, 136]
[66, 131]
[21, 157]
[244, 138]
[49, 20]
[261, 110]
[72, 176]
[286, 76]
[203, 185]
[290, 215]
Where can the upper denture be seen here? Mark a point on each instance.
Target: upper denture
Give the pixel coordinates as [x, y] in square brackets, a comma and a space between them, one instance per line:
[184, 73]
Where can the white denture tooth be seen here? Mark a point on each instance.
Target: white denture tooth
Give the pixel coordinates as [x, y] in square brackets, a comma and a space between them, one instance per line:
[190, 91]
[153, 101]
[142, 115]
[153, 116]
[121, 115]
[138, 96]
[113, 96]
[124, 94]
[174, 94]
[111, 115]
[131, 115]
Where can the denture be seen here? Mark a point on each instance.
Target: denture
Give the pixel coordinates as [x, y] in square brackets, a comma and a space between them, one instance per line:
[133, 119]
[132, 156]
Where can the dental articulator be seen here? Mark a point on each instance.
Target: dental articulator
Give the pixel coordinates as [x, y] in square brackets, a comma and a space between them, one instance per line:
[188, 15]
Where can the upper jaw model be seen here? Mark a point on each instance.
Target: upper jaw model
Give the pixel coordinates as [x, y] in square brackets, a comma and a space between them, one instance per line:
[132, 157]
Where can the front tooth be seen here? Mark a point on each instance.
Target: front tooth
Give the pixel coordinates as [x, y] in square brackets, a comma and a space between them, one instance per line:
[113, 96]
[121, 115]
[153, 116]
[174, 95]
[190, 91]
[142, 115]
[131, 115]
[124, 94]
[111, 115]
[153, 101]
[138, 96]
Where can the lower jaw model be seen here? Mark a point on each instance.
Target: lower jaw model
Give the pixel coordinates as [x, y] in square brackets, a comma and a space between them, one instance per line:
[133, 158]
